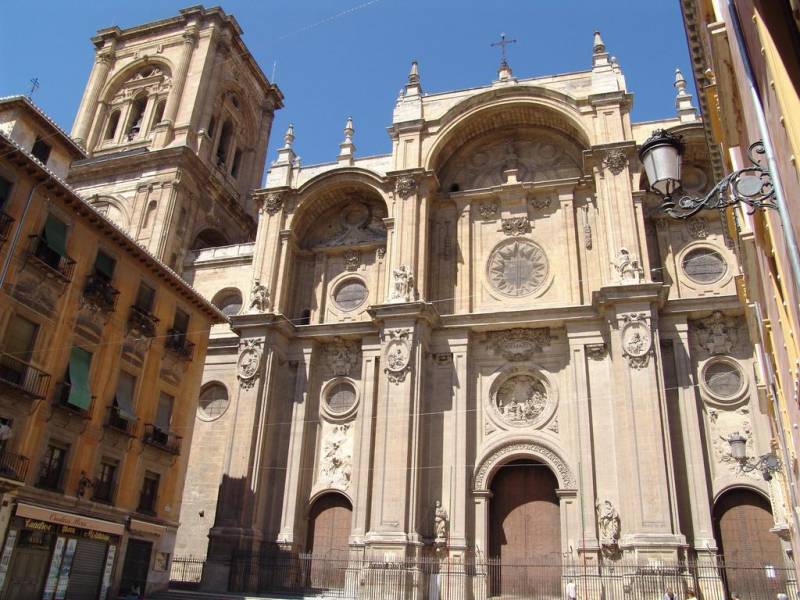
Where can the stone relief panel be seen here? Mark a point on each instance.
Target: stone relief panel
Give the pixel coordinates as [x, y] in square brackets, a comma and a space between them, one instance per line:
[536, 154]
[336, 456]
[637, 340]
[521, 398]
[517, 267]
[397, 353]
[717, 334]
[519, 344]
[721, 424]
[341, 356]
[356, 222]
[248, 363]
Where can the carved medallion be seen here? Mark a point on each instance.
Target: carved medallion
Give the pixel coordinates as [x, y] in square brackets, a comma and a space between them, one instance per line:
[521, 400]
[405, 186]
[351, 260]
[397, 353]
[516, 226]
[248, 363]
[519, 344]
[541, 202]
[488, 211]
[517, 267]
[698, 228]
[271, 203]
[637, 341]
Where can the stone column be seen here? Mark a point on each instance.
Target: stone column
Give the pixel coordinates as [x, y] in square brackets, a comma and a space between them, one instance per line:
[88, 107]
[463, 288]
[220, 50]
[267, 248]
[410, 241]
[566, 199]
[295, 463]
[459, 346]
[179, 76]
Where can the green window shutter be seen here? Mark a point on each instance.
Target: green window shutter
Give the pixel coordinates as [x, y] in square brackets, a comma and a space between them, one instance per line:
[55, 234]
[124, 396]
[79, 393]
[104, 265]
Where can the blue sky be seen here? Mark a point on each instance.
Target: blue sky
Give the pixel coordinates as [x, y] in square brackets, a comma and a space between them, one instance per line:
[351, 57]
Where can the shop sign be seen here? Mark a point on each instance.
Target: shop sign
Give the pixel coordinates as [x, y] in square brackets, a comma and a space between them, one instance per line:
[112, 551]
[6, 558]
[38, 525]
[38, 513]
[87, 533]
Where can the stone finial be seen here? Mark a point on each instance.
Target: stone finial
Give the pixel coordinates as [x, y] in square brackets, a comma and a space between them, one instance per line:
[288, 137]
[598, 46]
[347, 148]
[414, 86]
[683, 101]
[600, 58]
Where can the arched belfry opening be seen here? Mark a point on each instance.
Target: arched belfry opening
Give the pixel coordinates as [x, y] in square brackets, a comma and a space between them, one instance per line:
[338, 263]
[524, 528]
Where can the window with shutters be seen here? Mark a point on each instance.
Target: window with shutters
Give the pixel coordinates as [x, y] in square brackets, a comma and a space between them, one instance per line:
[104, 484]
[53, 243]
[75, 392]
[149, 493]
[121, 414]
[51, 471]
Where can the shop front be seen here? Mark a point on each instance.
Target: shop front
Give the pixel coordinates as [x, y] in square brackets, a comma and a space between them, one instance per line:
[56, 555]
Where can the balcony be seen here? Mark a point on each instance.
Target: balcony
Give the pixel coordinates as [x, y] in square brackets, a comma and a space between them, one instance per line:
[61, 401]
[22, 378]
[177, 343]
[51, 262]
[117, 422]
[163, 440]
[100, 293]
[142, 321]
[5, 226]
[14, 466]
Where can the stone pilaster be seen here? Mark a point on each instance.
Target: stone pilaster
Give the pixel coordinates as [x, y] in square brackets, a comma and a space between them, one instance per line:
[179, 78]
[88, 108]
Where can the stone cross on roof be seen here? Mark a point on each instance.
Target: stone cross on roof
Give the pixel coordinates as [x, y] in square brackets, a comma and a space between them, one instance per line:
[503, 43]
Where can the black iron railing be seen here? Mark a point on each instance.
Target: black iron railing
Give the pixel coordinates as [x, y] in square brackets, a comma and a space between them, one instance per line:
[142, 321]
[24, 378]
[177, 343]
[14, 466]
[54, 263]
[6, 221]
[164, 440]
[354, 574]
[101, 293]
[116, 421]
[186, 572]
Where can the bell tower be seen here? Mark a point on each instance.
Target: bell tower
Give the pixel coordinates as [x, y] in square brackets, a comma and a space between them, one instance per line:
[176, 118]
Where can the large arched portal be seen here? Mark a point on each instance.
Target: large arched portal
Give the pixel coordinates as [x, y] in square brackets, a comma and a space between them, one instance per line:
[328, 537]
[525, 530]
[742, 523]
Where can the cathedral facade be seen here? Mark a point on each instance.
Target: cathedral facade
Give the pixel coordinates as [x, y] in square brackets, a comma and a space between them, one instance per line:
[489, 342]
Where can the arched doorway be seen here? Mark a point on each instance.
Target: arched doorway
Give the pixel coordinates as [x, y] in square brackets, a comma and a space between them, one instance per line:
[328, 538]
[525, 530]
[752, 553]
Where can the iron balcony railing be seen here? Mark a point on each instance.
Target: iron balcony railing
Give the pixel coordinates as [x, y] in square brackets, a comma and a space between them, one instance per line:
[177, 343]
[23, 377]
[6, 221]
[14, 466]
[142, 321]
[101, 293]
[61, 400]
[163, 440]
[117, 422]
[54, 263]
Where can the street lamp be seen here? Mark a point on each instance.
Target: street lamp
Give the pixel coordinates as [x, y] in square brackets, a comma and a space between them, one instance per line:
[661, 156]
[767, 464]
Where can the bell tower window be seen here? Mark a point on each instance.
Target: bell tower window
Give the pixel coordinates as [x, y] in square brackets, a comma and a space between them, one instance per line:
[135, 119]
[111, 128]
[224, 143]
[159, 113]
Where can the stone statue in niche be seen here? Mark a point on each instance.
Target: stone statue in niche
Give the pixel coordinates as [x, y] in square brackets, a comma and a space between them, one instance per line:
[608, 525]
[402, 285]
[627, 267]
[440, 523]
[521, 399]
[259, 298]
[336, 468]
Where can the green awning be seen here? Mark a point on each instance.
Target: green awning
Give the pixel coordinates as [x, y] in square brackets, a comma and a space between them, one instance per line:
[124, 396]
[164, 414]
[79, 393]
[55, 234]
[104, 265]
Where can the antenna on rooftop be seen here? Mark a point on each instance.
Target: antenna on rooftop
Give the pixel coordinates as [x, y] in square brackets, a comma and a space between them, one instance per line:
[34, 87]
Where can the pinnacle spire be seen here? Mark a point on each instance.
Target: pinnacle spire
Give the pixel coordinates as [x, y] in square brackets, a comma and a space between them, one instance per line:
[600, 58]
[413, 76]
[286, 155]
[347, 148]
[413, 87]
[598, 46]
[288, 137]
[683, 100]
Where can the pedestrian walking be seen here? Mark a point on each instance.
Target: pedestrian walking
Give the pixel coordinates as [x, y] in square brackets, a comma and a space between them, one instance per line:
[572, 590]
[669, 594]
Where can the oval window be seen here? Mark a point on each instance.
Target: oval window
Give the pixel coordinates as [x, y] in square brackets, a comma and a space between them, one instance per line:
[350, 294]
[704, 265]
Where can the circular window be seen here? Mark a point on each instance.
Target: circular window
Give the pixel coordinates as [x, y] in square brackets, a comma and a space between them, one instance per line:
[724, 379]
[350, 294]
[214, 401]
[517, 267]
[230, 303]
[341, 397]
[704, 265]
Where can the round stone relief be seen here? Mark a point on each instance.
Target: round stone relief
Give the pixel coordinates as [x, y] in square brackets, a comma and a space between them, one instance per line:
[704, 265]
[521, 400]
[350, 294]
[517, 267]
[724, 379]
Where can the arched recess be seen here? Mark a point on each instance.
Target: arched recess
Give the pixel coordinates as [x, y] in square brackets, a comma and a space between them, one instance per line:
[228, 300]
[209, 238]
[742, 521]
[339, 234]
[329, 523]
[516, 448]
